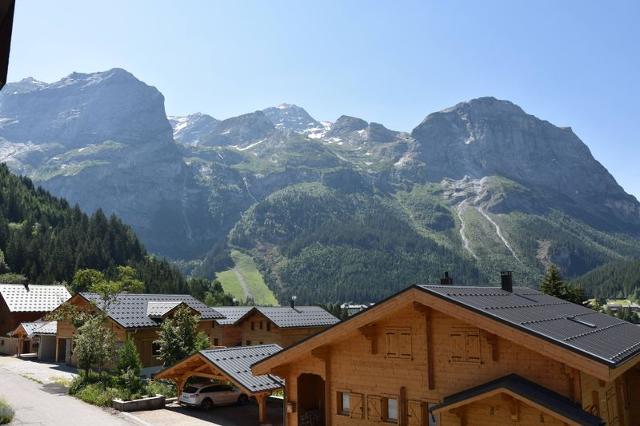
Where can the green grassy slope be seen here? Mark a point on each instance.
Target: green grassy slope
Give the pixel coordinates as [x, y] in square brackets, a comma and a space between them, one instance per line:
[244, 280]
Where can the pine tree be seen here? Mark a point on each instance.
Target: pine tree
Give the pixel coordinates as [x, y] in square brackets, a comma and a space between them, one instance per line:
[552, 283]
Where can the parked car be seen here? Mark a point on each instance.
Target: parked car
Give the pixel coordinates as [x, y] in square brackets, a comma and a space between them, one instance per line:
[209, 395]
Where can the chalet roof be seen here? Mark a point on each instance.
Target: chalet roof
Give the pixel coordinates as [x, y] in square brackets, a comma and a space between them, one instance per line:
[236, 363]
[299, 316]
[519, 386]
[231, 313]
[131, 310]
[33, 298]
[48, 327]
[575, 327]
[158, 310]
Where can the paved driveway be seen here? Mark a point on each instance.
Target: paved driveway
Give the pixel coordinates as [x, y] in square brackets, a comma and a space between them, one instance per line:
[47, 403]
[246, 415]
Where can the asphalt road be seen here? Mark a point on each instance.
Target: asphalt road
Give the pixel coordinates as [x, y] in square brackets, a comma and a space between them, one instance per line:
[47, 404]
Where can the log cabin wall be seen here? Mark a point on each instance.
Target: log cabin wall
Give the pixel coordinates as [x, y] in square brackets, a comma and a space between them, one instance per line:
[388, 360]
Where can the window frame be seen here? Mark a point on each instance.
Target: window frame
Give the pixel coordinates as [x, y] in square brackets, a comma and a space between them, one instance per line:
[385, 409]
[341, 394]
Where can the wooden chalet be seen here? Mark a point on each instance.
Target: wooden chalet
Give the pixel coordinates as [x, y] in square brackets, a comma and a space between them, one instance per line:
[25, 304]
[137, 316]
[458, 355]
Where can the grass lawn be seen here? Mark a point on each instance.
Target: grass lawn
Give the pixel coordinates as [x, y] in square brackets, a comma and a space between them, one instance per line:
[245, 271]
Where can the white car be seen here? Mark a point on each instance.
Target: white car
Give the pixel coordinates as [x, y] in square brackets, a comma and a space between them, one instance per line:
[209, 395]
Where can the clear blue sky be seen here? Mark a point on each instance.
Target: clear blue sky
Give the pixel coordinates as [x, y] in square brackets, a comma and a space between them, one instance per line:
[574, 63]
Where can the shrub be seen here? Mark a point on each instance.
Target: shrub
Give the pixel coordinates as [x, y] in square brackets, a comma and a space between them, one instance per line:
[6, 412]
[98, 394]
[156, 387]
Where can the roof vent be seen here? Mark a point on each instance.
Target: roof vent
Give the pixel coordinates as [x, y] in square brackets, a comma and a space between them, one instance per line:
[293, 302]
[506, 281]
[446, 280]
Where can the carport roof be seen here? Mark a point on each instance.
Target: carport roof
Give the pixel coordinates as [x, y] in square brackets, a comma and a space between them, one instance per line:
[236, 363]
[233, 364]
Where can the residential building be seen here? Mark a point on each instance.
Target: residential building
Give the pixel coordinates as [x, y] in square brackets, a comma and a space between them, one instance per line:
[23, 304]
[457, 355]
[135, 316]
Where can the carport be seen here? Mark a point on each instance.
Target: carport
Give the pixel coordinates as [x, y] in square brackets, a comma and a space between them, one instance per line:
[229, 365]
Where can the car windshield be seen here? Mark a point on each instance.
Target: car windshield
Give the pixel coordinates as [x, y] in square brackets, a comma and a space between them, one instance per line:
[190, 389]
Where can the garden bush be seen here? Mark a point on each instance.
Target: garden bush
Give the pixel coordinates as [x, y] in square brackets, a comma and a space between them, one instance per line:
[6, 412]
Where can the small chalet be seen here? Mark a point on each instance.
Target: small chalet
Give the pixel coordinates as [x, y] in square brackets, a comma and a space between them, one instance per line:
[457, 355]
[24, 304]
[258, 325]
[37, 337]
[137, 316]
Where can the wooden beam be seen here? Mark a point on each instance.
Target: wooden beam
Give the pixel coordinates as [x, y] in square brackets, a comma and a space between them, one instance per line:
[426, 311]
[402, 406]
[370, 333]
[262, 408]
[492, 340]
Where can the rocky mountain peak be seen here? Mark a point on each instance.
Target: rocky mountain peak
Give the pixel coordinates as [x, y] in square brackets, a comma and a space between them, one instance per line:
[242, 129]
[290, 117]
[346, 124]
[192, 129]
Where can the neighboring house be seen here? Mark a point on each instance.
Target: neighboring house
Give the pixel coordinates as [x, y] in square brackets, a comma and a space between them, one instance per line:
[283, 325]
[455, 355]
[37, 337]
[23, 304]
[137, 316]
[258, 325]
[353, 309]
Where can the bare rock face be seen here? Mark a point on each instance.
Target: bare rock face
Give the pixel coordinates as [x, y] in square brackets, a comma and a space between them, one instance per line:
[490, 137]
[193, 128]
[241, 130]
[103, 140]
[290, 117]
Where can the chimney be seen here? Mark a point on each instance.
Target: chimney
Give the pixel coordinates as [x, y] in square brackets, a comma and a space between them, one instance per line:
[446, 280]
[506, 280]
[26, 286]
[293, 302]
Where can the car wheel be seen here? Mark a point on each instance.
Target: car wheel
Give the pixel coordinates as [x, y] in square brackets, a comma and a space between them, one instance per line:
[207, 404]
[243, 399]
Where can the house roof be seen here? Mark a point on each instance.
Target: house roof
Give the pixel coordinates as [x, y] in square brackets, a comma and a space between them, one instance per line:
[130, 310]
[232, 313]
[299, 316]
[33, 298]
[236, 363]
[593, 334]
[158, 310]
[525, 389]
[48, 327]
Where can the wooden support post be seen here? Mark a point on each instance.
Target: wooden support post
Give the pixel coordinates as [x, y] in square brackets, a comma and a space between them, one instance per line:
[426, 311]
[402, 406]
[57, 348]
[262, 408]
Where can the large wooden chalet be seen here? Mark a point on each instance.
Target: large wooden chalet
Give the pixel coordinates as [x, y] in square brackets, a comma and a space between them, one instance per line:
[139, 317]
[451, 355]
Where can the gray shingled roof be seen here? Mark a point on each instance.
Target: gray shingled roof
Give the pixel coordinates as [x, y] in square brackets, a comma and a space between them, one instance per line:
[236, 363]
[300, 316]
[49, 327]
[29, 327]
[34, 298]
[130, 310]
[231, 313]
[157, 310]
[575, 327]
[531, 391]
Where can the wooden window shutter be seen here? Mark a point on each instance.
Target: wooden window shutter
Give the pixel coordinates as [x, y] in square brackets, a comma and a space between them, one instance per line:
[416, 413]
[374, 408]
[356, 410]
[391, 343]
[457, 346]
[404, 344]
[472, 347]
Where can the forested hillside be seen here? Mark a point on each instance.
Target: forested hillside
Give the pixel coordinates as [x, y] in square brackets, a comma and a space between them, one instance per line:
[617, 279]
[46, 240]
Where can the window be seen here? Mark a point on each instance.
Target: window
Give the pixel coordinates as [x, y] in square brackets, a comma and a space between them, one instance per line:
[433, 418]
[268, 325]
[390, 407]
[155, 349]
[398, 342]
[343, 403]
[465, 345]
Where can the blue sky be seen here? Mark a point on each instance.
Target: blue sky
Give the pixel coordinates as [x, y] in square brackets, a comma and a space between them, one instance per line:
[574, 63]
